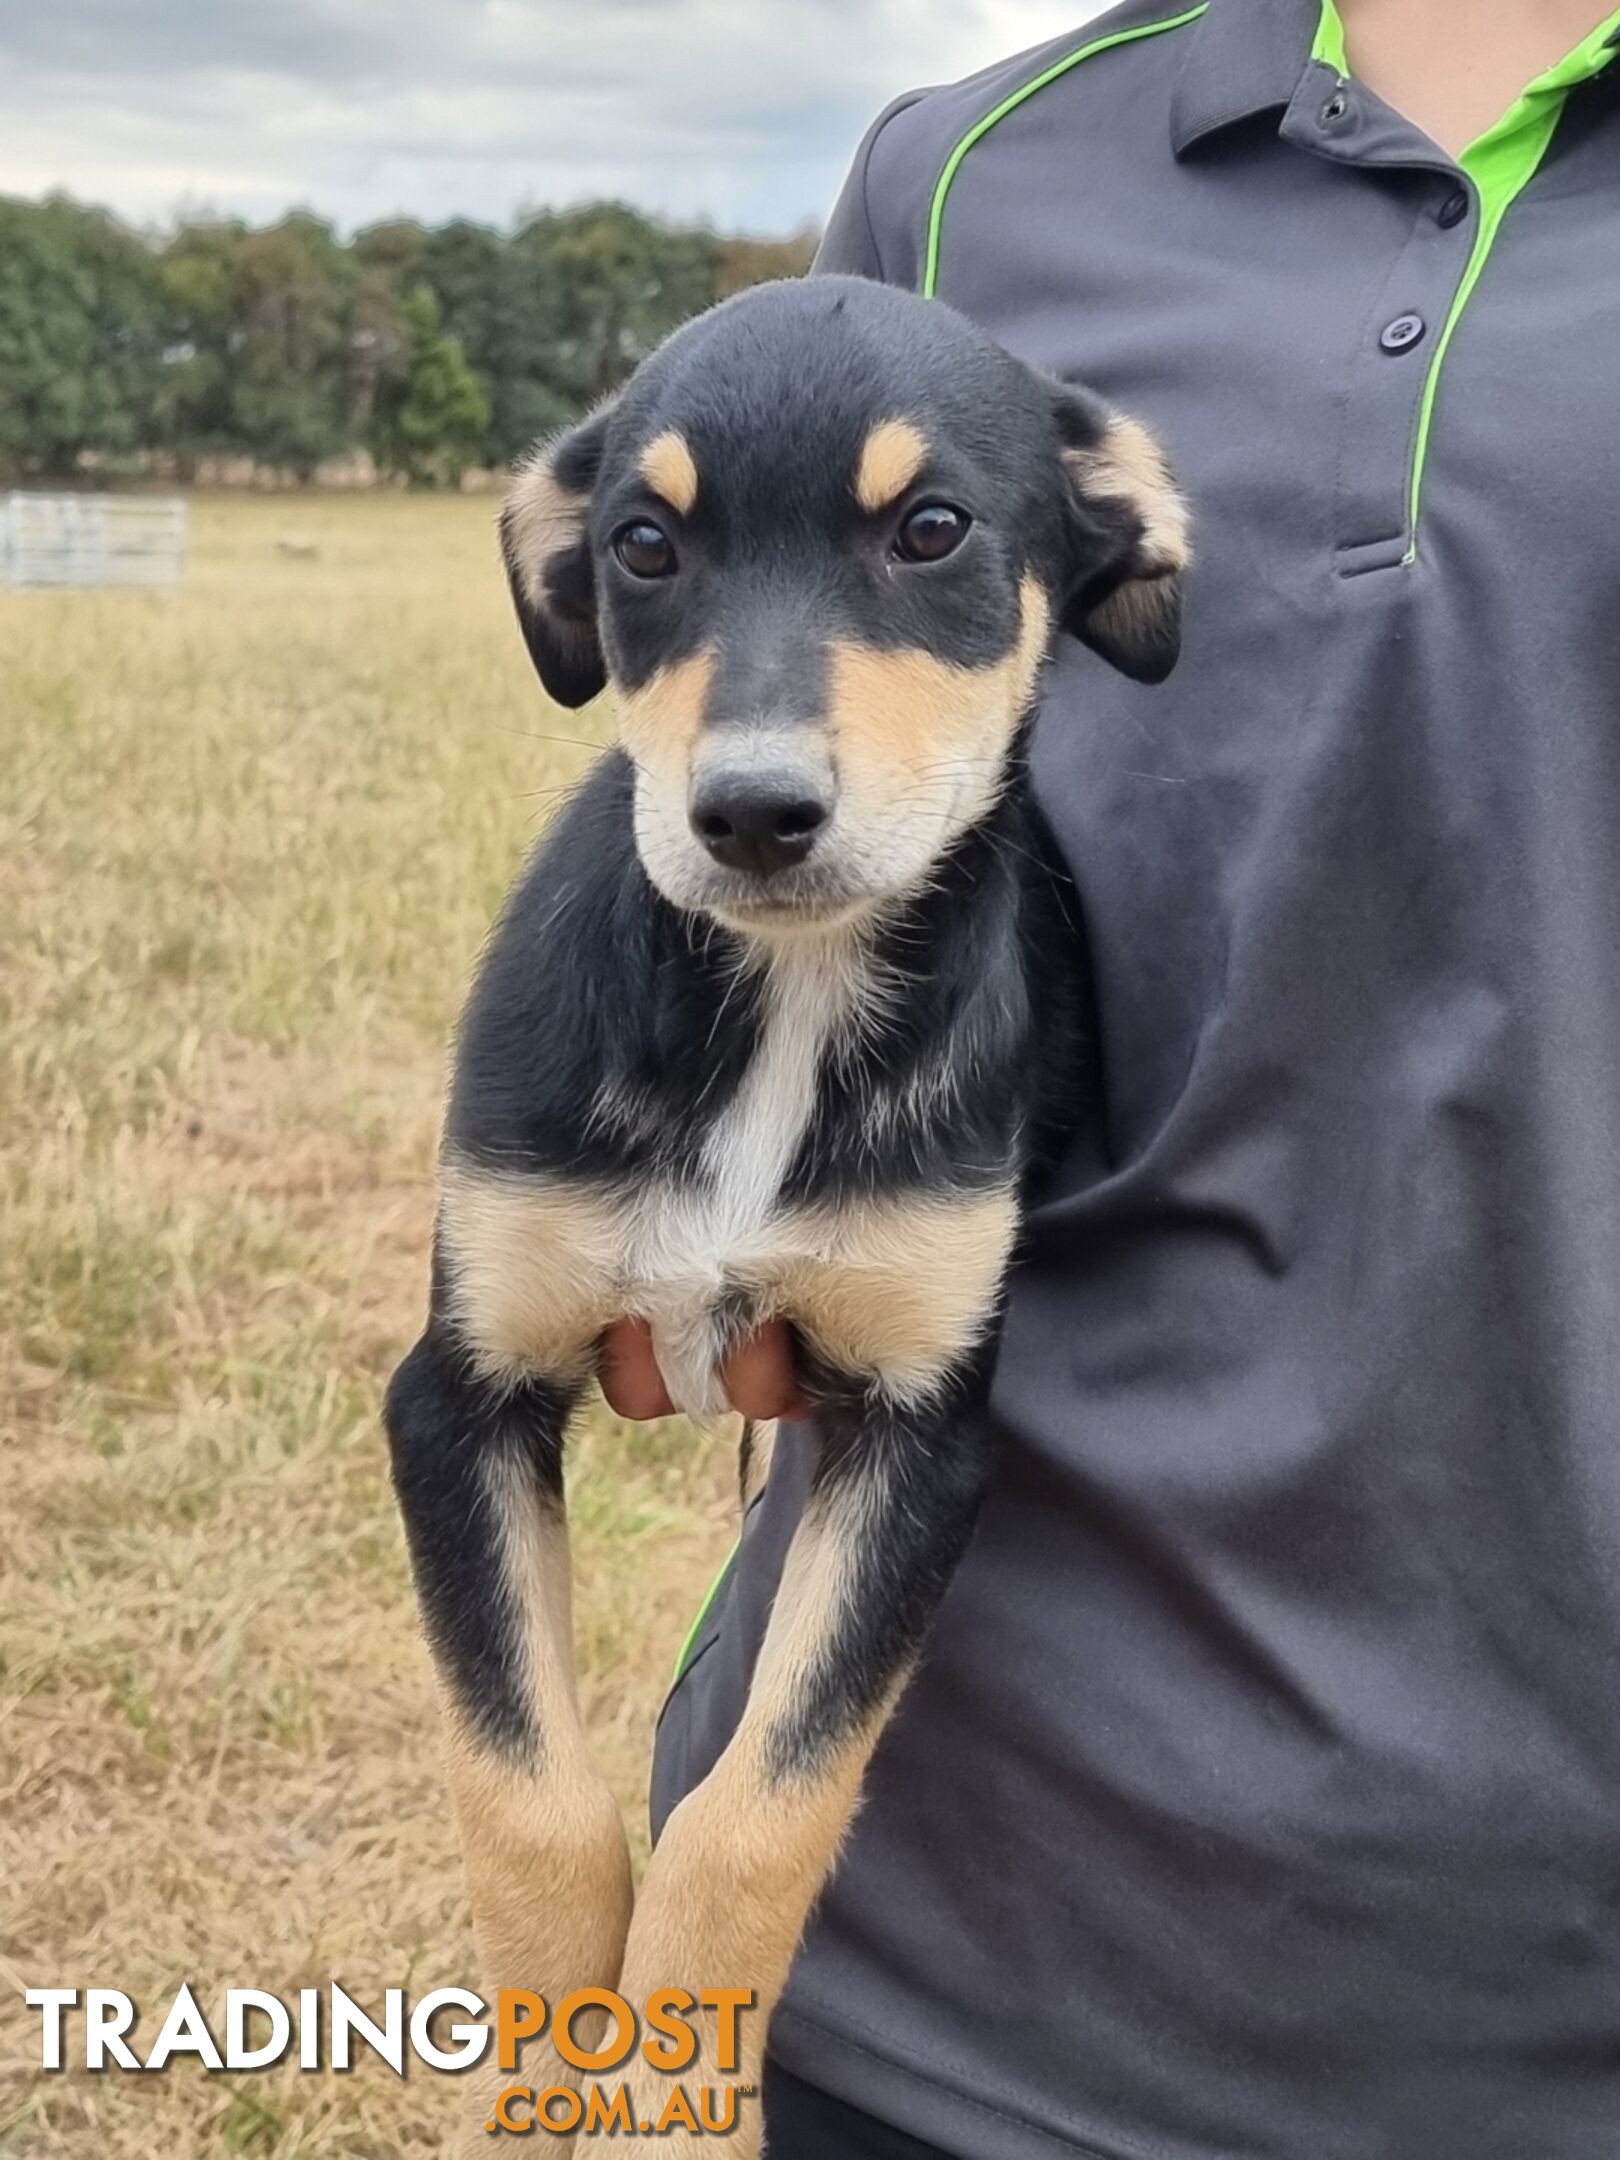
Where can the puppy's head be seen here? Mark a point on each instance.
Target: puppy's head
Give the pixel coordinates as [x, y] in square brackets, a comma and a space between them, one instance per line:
[820, 546]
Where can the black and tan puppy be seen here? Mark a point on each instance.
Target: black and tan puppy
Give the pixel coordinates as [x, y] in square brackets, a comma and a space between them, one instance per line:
[780, 1016]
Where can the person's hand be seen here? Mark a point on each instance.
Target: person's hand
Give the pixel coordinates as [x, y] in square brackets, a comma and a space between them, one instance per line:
[759, 1374]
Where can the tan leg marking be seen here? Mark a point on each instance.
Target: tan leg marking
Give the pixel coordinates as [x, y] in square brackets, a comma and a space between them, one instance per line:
[548, 1865]
[892, 456]
[670, 470]
[757, 1451]
[534, 1269]
[743, 1857]
[900, 1288]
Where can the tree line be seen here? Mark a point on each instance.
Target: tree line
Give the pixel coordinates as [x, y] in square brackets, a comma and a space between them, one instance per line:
[434, 348]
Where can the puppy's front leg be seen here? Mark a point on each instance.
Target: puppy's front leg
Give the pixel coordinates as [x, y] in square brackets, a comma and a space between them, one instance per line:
[743, 1857]
[478, 1470]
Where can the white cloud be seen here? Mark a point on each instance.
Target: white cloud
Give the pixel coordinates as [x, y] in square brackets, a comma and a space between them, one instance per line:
[742, 110]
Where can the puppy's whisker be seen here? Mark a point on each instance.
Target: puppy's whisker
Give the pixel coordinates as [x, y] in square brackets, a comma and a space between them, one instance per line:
[571, 742]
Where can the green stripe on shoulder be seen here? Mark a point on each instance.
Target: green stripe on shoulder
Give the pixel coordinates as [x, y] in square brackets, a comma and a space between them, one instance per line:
[981, 128]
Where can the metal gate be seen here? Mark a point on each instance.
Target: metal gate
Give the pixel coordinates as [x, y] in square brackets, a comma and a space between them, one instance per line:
[92, 540]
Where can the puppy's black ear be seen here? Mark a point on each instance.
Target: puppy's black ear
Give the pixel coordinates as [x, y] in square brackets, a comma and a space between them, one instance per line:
[548, 559]
[1128, 537]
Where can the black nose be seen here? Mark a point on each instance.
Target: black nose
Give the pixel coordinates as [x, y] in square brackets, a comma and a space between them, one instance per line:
[750, 822]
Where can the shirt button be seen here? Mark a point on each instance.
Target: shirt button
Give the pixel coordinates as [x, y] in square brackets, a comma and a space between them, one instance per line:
[1454, 209]
[1402, 334]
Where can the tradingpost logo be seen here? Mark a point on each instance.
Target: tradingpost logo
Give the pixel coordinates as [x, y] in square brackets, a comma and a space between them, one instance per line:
[328, 2031]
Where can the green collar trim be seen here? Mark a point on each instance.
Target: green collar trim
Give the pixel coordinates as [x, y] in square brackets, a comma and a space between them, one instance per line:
[1329, 45]
[1538, 104]
[1590, 57]
[1501, 163]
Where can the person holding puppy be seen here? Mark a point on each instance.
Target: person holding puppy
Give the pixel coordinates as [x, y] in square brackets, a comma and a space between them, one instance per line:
[1260, 1790]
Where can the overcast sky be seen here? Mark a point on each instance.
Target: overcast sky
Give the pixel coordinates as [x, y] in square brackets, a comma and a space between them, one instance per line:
[740, 110]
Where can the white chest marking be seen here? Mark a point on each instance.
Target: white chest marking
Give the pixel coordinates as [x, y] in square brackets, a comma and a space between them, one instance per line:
[899, 1286]
[690, 1241]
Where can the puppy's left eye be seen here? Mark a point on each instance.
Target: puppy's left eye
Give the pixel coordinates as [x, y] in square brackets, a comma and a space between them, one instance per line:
[931, 532]
[644, 549]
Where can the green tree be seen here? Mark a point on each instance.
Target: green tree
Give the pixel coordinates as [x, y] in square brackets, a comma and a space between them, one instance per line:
[504, 301]
[439, 346]
[200, 276]
[429, 421]
[293, 364]
[746, 261]
[394, 250]
[627, 281]
[388, 258]
[81, 336]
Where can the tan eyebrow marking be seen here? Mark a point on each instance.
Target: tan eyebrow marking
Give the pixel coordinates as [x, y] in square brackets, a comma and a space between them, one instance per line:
[891, 458]
[669, 469]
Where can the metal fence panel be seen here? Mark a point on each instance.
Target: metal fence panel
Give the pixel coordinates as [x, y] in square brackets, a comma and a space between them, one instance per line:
[92, 540]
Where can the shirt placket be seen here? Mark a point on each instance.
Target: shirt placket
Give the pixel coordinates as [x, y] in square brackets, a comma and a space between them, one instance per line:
[1394, 333]
[1388, 413]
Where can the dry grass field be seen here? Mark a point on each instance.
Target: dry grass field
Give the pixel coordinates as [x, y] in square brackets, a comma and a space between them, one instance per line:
[250, 837]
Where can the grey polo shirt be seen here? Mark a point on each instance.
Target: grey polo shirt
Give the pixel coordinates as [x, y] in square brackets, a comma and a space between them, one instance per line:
[1260, 1795]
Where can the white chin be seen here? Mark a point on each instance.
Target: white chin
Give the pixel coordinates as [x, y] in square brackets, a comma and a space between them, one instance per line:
[785, 918]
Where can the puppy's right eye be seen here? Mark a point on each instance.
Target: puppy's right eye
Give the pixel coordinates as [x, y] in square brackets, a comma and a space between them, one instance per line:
[931, 532]
[644, 550]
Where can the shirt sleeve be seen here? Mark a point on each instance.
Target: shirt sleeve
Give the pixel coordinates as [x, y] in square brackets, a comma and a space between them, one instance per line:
[868, 233]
